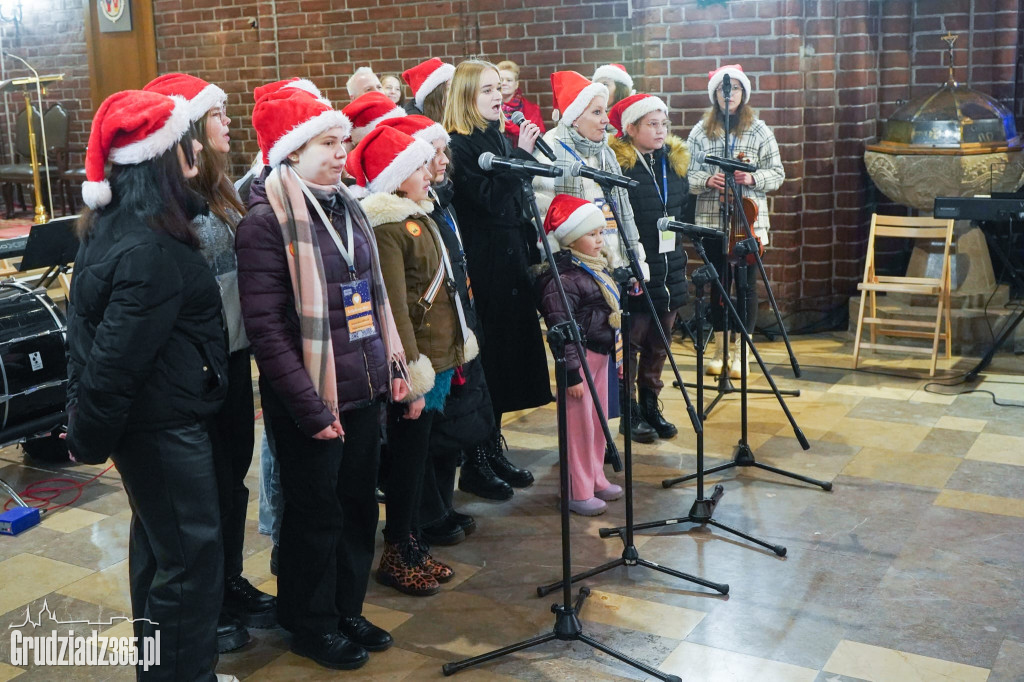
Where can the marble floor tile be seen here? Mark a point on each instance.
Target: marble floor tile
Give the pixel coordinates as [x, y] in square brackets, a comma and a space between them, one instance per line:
[70, 519]
[107, 588]
[697, 663]
[621, 611]
[912, 468]
[877, 664]
[27, 577]
[987, 478]
[1009, 664]
[1001, 449]
[960, 423]
[874, 434]
[988, 504]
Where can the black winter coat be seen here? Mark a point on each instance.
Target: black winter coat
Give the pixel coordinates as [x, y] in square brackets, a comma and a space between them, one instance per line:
[146, 347]
[500, 246]
[589, 309]
[272, 323]
[667, 286]
[467, 418]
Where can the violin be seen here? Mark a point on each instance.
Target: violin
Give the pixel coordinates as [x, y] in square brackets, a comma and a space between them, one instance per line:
[737, 231]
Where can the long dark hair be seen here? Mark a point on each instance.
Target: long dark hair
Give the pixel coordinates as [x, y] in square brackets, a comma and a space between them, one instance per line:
[433, 103]
[212, 182]
[153, 191]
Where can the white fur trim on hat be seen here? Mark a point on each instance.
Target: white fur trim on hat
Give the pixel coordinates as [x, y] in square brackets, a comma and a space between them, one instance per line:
[719, 76]
[580, 222]
[158, 142]
[637, 111]
[421, 378]
[579, 105]
[441, 74]
[306, 131]
[96, 194]
[310, 87]
[408, 161]
[362, 131]
[614, 73]
[433, 133]
[209, 97]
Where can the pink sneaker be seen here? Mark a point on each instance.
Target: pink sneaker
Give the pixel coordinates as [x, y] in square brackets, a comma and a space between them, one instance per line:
[591, 507]
[612, 492]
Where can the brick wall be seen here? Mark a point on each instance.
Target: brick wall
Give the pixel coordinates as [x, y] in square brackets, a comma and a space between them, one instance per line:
[823, 71]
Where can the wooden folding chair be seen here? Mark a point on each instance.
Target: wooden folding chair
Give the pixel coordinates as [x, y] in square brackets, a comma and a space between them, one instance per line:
[873, 284]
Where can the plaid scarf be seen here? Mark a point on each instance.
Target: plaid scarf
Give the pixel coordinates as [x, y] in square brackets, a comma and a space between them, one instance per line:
[309, 283]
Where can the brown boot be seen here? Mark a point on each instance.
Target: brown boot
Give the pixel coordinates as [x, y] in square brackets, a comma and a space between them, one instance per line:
[442, 572]
[401, 569]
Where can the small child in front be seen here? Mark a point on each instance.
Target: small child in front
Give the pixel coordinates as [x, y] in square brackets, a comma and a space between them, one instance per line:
[574, 229]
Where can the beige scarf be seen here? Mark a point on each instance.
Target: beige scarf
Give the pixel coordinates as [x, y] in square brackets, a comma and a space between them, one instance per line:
[605, 282]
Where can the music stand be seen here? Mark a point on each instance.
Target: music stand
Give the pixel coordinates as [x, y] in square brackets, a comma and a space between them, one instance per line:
[52, 246]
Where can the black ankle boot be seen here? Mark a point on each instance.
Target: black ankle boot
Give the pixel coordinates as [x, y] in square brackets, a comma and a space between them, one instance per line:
[648, 401]
[642, 431]
[231, 634]
[477, 478]
[505, 470]
[254, 608]
[465, 521]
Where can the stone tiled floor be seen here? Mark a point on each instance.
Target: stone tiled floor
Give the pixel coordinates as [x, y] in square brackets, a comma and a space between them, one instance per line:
[911, 569]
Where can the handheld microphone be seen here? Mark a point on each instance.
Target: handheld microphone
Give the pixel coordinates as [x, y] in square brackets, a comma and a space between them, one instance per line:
[488, 161]
[578, 170]
[724, 164]
[688, 229]
[519, 118]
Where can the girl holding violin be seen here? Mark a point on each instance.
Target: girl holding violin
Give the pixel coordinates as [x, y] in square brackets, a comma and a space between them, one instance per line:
[752, 141]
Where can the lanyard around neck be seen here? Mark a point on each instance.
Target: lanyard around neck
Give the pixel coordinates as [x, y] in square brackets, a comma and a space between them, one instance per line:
[600, 280]
[347, 251]
[663, 190]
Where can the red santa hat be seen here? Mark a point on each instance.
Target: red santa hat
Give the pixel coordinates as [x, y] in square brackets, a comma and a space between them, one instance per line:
[201, 96]
[369, 109]
[426, 77]
[420, 127]
[289, 118]
[573, 92]
[633, 108]
[570, 218]
[385, 158]
[615, 72]
[296, 82]
[735, 72]
[130, 127]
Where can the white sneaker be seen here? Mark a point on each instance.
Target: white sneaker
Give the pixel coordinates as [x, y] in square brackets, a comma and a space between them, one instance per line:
[736, 364]
[714, 366]
[226, 678]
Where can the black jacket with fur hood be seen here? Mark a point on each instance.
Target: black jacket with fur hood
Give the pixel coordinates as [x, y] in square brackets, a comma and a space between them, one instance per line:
[668, 270]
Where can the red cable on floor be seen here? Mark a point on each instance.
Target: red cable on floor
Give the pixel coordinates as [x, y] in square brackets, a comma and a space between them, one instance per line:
[45, 495]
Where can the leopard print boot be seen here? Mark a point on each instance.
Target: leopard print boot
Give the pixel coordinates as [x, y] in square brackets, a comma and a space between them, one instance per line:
[442, 572]
[401, 568]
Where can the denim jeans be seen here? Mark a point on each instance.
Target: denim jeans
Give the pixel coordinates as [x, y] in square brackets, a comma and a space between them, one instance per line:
[271, 497]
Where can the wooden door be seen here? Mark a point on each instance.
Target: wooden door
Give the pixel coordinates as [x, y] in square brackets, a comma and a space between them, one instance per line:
[124, 60]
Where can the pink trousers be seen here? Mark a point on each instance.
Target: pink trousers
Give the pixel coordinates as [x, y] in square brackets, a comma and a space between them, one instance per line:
[586, 439]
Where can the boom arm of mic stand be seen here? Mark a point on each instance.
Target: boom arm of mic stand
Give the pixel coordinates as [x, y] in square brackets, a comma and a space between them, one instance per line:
[634, 265]
[698, 246]
[738, 210]
[577, 340]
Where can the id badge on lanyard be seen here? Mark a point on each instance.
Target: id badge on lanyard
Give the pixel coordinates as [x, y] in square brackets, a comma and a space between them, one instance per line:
[610, 226]
[358, 305]
[618, 349]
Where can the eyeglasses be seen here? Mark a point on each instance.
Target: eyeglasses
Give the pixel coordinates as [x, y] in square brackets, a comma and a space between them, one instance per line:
[656, 125]
[221, 114]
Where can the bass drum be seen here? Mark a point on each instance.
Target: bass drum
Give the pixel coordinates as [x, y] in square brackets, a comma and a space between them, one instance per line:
[33, 367]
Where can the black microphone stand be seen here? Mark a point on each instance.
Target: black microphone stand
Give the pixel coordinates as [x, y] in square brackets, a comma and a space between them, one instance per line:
[630, 555]
[703, 508]
[743, 455]
[568, 627]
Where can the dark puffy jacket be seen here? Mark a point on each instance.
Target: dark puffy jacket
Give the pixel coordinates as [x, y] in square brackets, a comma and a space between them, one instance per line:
[589, 308]
[442, 213]
[272, 324]
[500, 246]
[146, 348]
[668, 270]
